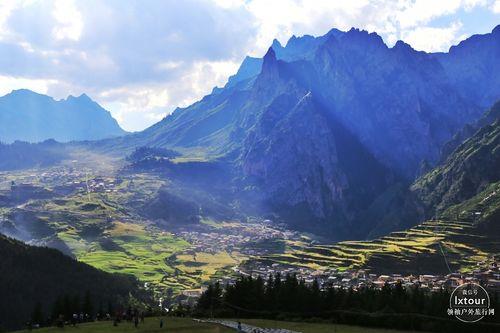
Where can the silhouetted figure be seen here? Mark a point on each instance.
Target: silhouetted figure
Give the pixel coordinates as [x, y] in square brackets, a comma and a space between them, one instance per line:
[161, 323]
[116, 318]
[239, 326]
[128, 316]
[60, 321]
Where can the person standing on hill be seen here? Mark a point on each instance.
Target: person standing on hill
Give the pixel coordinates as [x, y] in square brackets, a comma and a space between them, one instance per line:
[60, 321]
[161, 322]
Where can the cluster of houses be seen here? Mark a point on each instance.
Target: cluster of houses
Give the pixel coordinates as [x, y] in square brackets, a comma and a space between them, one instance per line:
[487, 275]
[235, 238]
[64, 180]
[100, 185]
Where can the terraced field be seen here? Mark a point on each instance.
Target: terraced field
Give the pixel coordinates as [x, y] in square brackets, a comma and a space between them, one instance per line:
[460, 239]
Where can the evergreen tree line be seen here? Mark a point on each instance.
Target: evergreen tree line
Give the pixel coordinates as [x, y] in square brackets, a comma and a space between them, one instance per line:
[71, 310]
[290, 298]
[64, 307]
[19, 155]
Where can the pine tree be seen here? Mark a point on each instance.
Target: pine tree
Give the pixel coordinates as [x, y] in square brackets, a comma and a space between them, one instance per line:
[37, 314]
[87, 304]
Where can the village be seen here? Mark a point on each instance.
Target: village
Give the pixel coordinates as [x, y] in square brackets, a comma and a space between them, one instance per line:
[487, 276]
[251, 238]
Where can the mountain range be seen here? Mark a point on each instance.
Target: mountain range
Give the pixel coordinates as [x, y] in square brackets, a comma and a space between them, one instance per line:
[324, 131]
[382, 95]
[32, 117]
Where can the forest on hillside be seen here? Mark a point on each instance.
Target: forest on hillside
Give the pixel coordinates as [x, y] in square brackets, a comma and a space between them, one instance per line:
[289, 298]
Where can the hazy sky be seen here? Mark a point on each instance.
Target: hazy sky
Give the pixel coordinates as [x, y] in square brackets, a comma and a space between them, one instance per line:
[141, 59]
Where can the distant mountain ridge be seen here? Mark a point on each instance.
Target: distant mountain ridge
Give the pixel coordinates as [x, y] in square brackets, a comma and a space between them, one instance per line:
[32, 117]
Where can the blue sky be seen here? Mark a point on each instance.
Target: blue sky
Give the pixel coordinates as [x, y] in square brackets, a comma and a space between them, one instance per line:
[141, 59]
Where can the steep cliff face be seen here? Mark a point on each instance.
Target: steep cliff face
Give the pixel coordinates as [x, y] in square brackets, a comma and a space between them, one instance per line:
[292, 154]
[303, 162]
[397, 101]
[310, 169]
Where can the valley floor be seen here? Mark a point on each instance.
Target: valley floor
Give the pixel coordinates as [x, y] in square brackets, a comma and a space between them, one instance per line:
[177, 325]
[89, 209]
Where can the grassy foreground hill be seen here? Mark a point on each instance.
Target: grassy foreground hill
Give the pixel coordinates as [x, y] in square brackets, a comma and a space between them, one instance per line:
[41, 275]
[178, 325]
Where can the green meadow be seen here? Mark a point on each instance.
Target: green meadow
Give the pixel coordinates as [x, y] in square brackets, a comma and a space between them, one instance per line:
[187, 325]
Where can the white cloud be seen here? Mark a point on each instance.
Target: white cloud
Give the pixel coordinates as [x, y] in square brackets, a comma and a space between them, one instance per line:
[422, 11]
[6, 8]
[169, 65]
[70, 24]
[495, 7]
[9, 83]
[392, 19]
[128, 103]
[282, 18]
[433, 39]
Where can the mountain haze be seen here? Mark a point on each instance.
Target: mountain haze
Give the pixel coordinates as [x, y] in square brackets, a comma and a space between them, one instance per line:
[28, 116]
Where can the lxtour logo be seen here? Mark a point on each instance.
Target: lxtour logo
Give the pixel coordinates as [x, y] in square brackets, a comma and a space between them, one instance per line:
[470, 303]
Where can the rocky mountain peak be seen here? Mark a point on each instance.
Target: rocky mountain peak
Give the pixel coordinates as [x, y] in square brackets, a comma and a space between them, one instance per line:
[270, 63]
